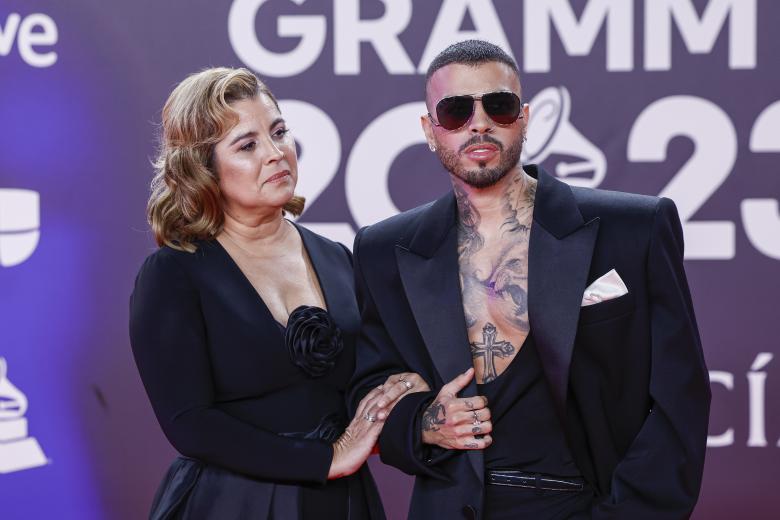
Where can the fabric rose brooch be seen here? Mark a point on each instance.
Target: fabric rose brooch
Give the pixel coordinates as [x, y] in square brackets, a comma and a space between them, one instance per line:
[313, 340]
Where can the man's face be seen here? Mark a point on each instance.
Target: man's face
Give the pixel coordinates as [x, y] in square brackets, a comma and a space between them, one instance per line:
[481, 152]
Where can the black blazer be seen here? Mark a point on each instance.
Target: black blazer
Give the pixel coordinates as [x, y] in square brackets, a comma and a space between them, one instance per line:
[627, 375]
[216, 369]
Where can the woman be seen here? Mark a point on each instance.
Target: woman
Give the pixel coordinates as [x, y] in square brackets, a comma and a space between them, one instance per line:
[243, 324]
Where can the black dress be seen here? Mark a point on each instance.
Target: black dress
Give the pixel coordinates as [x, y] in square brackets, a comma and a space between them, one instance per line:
[252, 407]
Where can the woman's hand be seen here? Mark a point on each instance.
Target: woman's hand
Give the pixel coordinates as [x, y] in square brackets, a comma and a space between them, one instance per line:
[393, 390]
[354, 446]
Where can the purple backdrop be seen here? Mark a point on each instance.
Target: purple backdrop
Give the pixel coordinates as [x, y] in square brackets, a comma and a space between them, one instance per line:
[673, 97]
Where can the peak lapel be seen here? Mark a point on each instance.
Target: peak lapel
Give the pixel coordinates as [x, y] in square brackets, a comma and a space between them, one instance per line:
[429, 271]
[428, 265]
[560, 252]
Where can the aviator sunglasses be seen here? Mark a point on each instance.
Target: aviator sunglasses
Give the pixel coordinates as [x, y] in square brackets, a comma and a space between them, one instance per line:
[455, 111]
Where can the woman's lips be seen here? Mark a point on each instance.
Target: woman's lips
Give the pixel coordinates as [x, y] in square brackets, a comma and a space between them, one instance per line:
[276, 177]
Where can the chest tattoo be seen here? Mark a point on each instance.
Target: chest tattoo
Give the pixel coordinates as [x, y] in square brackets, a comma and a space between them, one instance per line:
[494, 277]
[488, 350]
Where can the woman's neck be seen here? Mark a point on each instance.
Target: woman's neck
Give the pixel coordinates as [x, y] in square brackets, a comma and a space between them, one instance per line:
[258, 234]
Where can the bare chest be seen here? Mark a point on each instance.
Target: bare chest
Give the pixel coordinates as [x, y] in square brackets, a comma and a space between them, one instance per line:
[494, 285]
[283, 283]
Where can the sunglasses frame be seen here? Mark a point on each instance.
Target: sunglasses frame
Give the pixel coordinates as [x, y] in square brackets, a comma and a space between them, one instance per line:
[474, 99]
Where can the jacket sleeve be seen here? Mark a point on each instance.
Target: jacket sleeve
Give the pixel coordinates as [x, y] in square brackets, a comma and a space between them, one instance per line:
[660, 475]
[377, 358]
[168, 335]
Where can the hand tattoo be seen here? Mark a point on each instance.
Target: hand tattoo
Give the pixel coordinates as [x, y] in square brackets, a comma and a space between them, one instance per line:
[471, 445]
[433, 417]
[476, 429]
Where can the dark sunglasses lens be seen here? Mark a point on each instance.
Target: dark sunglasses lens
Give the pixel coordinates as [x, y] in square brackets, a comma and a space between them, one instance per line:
[502, 107]
[454, 112]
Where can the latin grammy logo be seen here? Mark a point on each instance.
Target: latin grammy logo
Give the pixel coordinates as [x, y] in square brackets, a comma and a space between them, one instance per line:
[551, 133]
[19, 225]
[17, 450]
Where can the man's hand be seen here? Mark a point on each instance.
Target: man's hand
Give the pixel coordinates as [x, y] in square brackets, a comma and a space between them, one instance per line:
[457, 423]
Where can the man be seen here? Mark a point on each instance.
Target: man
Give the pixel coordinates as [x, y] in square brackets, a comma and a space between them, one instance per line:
[562, 315]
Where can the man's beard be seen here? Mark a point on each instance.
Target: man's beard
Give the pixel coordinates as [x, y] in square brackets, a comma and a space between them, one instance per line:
[482, 177]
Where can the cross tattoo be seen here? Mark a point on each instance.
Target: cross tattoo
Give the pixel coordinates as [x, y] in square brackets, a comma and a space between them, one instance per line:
[490, 349]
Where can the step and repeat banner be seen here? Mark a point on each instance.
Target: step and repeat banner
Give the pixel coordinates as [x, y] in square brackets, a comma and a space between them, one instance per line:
[679, 98]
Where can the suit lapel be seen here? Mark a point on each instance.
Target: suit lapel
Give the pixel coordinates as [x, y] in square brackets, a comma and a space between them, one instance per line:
[560, 252]
[428, 266]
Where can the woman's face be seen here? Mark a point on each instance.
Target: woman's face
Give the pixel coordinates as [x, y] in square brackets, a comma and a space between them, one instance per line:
[256, 161]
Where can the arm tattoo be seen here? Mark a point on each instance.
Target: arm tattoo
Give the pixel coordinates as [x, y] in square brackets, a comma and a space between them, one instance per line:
[433, 417]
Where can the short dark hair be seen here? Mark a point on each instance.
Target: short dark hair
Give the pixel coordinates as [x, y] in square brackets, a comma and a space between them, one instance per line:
[469, 52]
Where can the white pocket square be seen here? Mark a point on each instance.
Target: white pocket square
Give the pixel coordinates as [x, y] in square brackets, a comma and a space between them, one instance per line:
[607, 287]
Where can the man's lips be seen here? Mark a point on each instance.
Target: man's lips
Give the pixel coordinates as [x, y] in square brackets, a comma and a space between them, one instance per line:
[277, 176]
[481, 152]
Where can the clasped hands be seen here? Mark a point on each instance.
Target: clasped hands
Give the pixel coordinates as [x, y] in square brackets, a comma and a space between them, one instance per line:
[449, 421]
[354, 446]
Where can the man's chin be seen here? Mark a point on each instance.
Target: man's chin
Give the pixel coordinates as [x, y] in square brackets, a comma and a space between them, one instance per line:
[481, 179]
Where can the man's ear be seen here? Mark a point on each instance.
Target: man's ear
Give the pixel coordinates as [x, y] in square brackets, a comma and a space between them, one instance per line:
[427, 126]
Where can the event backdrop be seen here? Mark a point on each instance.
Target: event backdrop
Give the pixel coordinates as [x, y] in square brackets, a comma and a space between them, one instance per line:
[673, 97]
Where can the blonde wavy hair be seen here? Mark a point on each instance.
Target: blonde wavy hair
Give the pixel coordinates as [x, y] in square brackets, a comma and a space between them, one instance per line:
[185, 204]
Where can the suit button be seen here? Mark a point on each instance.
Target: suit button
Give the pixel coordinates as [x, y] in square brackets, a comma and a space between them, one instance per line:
[470, 512]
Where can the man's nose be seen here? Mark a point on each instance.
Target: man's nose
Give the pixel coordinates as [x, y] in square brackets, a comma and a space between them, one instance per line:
[480, 123]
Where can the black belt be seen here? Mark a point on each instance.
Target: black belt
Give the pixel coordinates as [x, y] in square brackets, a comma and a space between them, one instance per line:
[524, 479]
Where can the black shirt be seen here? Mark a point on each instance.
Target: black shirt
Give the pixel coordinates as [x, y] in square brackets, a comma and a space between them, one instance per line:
[527, 434]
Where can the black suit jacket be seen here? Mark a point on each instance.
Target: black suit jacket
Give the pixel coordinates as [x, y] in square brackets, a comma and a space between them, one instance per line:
[627, 375]
[219, 376]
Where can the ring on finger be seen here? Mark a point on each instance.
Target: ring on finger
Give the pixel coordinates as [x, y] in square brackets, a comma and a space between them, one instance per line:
[368, 417]
[408, 384]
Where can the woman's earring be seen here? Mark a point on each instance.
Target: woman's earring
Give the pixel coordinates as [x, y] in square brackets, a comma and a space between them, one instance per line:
[433, 148]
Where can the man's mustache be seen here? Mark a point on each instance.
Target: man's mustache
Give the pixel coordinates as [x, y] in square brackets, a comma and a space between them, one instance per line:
[479, 139]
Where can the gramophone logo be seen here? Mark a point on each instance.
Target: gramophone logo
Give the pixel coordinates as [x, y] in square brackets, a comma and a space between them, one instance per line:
[551, 133]
[17, 450]
[19, 223]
